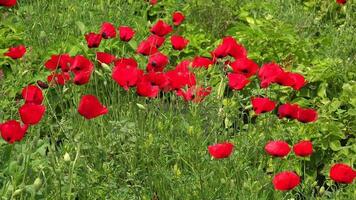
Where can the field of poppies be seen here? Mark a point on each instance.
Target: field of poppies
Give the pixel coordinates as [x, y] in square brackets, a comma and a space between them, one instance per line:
[176, 99]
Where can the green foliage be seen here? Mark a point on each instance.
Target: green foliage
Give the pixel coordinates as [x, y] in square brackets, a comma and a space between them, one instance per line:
[147, 149]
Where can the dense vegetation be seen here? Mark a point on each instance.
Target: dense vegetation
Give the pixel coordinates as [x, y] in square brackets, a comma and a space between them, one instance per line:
[157, 148]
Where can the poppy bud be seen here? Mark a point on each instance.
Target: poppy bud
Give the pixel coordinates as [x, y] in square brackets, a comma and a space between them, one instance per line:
[66, 157]
[16, 52]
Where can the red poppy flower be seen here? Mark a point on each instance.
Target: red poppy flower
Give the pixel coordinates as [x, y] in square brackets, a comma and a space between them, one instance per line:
[106, 58]
[237, 81]
[157, 62]
[299, 81]
[8, 3]
[82, 69]
[268, 74]
[32, 94]
[307, 115]
[194, 94]
[61, 61]
[178, 42]
[286, 180]
[125, 62]
[160, 79]
[277, 148]
[16, 52]
[177, 18]
[230, 47]
[244, 66]
[90, 107]
[108, 30]
[294, 80]
[181, 77]
[221, 150]
[153, 2]
[12, 131]
[81, 64]
[199, 62]
[303, 148]
[183, 65]
[161, 28]
[146, 48]
[126, 33]
[126, 73]
[341, 2]
[93, 40]
[262, 105]
[342, 173]
[58, 78]
[82, 78]
[145, 88]
[284, 79]
[31, 114]
[288, 111]
[155, 40]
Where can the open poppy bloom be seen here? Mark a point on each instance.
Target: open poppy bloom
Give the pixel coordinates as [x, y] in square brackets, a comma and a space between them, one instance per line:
[146, 48]
[108, 30]
[12, 131]
[299, 81]
[303, 148]
[145, 88]
[90, 107]
[106, 58]
[229, 46]
[82, 69]
[342, 173]
[178, 42]
[288, 110]
[58, 78]
[237, 81]
[8, 3]
[126, 73]
[200, 62]
[16, 52]
[294, 80]
[82, 78]
[61, 61]
[31, 114]
[177, 18]
[157, 62]
[181, 76]
[277, 148]
[161, 28]
[126, 33]
[341, 2]
[32, 94]
[194, 93]
[268, 74]
[262, 105]
[93, 40]
[244, 66]
[285, 181]
[221, 150]
[160, 79]
[80, 64]
[155, 40]
[307, 115]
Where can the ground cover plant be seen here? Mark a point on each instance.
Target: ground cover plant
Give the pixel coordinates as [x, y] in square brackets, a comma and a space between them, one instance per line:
[177, 99]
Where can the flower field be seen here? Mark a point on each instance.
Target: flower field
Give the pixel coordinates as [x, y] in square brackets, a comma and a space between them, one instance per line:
[175, 99]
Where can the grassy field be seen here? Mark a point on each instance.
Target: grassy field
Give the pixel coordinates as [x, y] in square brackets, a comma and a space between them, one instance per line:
[157, 149]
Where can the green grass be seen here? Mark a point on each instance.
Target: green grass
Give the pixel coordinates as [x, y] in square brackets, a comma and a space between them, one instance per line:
[150, 149]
